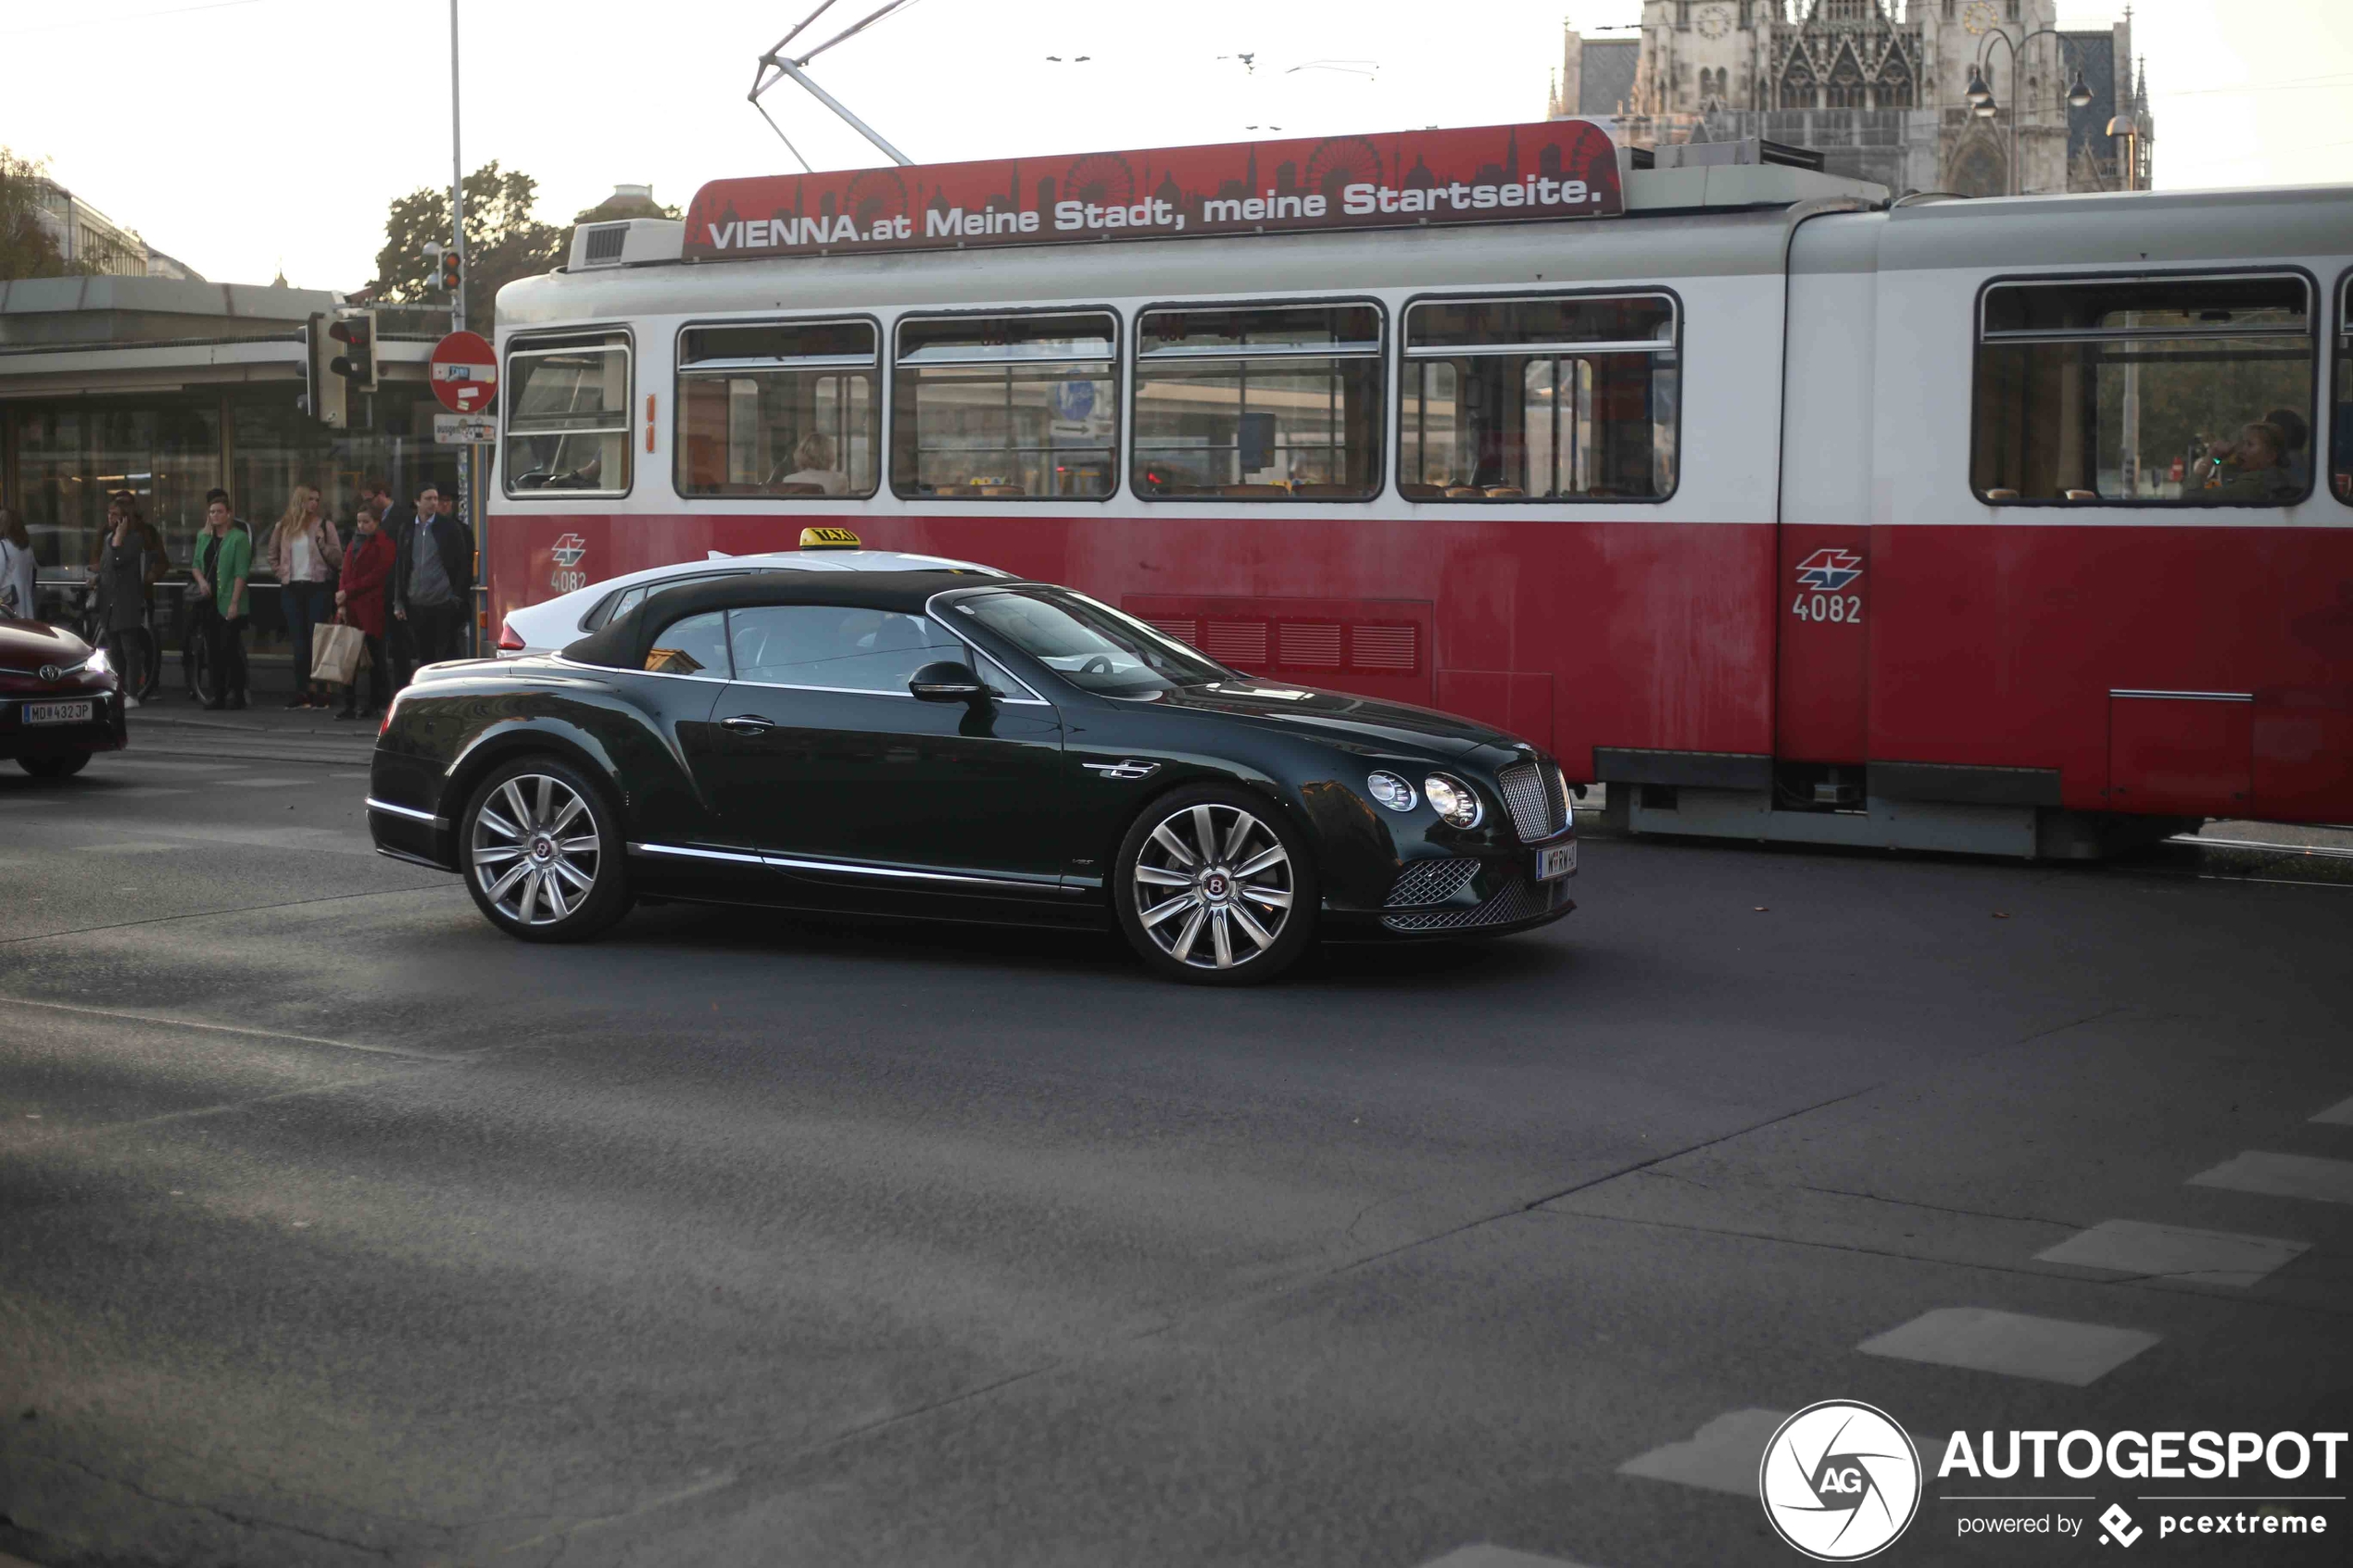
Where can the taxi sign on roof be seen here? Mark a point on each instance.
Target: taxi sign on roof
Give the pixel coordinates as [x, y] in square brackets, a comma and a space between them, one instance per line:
[1549, 169]
[829, 539]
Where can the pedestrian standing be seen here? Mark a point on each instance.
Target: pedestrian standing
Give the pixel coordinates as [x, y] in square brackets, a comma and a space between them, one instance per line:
[19, 575]
[367, 569]
[224, 561]
[129, 560]
[304, 550]
[432, 574]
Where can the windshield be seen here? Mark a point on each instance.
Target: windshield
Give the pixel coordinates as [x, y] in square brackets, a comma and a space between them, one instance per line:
[1091, 645]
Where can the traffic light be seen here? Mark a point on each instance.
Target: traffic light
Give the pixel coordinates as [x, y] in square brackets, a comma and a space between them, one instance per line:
[325, 395]
[356, 332]
[453, 271]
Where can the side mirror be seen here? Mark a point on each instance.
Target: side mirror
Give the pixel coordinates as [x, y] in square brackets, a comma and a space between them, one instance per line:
[947, 681]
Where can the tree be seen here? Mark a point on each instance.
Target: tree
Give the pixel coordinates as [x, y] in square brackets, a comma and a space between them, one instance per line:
[503, 242]
[27, 248]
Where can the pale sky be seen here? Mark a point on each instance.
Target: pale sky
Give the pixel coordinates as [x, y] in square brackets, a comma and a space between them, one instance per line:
[242, 135]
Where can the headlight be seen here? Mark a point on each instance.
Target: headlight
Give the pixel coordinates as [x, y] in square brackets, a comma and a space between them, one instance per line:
[1391, 791]
[1453, 799]
[96, 664]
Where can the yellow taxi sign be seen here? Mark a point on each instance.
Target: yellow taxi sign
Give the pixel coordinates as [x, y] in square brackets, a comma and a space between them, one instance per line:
[829, 539]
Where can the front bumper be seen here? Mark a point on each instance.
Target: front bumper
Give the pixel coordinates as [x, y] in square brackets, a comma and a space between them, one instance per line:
[105, 731]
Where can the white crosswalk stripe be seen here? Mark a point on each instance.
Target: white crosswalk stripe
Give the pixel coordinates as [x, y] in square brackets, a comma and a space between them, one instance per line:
[2340, 1114]
[1981, 1340]
[2174, 1252]
[1722, 1456]
[2282, 1176]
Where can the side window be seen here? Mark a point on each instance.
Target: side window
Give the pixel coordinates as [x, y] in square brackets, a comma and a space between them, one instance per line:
[838, 646]
[568, 416]
[2194, 392]
[696, 645]
[1275, 404]
[2341, 426]
[1006, 408]
[779, 408]
[1538, 399]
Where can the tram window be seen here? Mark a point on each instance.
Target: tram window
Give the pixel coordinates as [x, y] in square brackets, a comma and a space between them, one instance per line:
[568, 416]
[1274, 404]
[1539, 400]
[2194, 392]
[1006, 408]
[2341, 425]
[779, 408]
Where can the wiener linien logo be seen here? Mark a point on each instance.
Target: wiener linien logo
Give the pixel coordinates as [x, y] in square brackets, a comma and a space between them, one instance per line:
[1839, 1481]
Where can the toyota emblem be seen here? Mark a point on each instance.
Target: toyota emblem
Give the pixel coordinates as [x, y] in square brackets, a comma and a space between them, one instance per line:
[52, 673]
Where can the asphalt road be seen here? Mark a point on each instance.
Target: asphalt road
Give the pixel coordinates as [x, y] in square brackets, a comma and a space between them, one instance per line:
[336, 1228]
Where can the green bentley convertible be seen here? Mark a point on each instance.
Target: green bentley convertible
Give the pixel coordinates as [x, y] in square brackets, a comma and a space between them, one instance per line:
[940, 745]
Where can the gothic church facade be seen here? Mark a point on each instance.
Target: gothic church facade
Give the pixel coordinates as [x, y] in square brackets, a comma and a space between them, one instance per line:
[1878, 86]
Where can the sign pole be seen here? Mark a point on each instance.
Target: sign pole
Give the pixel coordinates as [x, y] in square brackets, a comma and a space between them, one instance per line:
[458, 318]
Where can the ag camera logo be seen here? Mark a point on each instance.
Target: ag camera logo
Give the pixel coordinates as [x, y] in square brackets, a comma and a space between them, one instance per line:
[1839, 1481]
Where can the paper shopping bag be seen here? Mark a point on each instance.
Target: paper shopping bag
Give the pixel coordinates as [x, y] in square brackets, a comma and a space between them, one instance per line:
[337, 657]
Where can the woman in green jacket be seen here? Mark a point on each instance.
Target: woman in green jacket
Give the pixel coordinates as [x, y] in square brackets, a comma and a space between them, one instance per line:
[224, 559]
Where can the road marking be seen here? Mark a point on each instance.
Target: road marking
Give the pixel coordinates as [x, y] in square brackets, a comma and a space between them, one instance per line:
[128, 848]
[2013, 1344]
[146, 792]
[2282, 1176]
[260, 784]
[1722, 1456]
[2132, 1247]
[2339, 1115]
[1484, 1555]
[166, 1022]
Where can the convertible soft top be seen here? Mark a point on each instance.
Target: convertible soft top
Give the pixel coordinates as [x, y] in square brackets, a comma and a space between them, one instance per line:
[623, 642]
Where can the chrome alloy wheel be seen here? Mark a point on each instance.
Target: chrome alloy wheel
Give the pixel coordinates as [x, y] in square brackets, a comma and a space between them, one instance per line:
[1212, 886]
[534, 850]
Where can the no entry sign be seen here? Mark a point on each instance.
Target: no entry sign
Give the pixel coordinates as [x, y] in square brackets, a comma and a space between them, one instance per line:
[464, 373]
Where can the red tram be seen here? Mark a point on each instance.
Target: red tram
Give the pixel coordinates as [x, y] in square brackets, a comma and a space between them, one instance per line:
[2010, 526]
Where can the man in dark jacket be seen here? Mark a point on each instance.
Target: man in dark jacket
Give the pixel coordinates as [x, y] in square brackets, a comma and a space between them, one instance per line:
[433, 580]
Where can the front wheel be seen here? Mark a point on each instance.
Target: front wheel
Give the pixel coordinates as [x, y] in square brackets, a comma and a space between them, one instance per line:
[1213, 887]
[55, 766]
[541, 851]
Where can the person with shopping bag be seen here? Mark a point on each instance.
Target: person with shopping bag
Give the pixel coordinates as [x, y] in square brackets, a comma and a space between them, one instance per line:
[304, 552]
[360, 603]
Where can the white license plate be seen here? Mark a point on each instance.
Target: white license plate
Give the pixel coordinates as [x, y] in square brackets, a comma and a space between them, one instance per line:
[1557, 862]
[58, 712]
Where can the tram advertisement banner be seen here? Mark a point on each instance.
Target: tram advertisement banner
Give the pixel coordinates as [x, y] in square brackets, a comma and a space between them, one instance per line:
[1487, 174]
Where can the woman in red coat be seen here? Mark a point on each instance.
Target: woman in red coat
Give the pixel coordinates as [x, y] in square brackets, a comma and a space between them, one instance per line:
[367, 564]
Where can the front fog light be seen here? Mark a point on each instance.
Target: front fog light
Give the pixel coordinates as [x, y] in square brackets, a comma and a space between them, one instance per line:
[1391, 791]
[1456, 802]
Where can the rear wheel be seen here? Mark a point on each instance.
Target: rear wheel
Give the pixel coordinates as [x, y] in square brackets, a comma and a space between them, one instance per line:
[1213, 887]
[55, 766]
[541, 851]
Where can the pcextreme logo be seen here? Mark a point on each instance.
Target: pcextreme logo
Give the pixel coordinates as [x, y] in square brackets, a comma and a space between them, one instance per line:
[1839, 1481]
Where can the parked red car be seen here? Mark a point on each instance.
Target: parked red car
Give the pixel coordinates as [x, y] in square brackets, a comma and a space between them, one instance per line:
[59, 701]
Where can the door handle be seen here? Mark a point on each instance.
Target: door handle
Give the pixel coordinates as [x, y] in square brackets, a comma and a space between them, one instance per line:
[747, 724]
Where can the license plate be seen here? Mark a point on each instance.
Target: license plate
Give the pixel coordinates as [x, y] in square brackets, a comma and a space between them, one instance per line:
[1556, 862]
[58, 712]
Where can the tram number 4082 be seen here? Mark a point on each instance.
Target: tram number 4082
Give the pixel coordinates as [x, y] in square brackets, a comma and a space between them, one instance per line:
[1846, 609]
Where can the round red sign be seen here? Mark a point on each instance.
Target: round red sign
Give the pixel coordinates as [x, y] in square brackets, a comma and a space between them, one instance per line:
[464, 373]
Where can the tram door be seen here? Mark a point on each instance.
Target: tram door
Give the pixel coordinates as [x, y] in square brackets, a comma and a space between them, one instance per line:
[1823, 571]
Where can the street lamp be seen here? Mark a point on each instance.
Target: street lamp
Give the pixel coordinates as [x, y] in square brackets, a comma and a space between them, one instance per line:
[1981, 96]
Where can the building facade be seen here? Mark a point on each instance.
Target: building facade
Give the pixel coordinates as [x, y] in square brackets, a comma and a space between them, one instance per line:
[1880, 87]
[168, 388]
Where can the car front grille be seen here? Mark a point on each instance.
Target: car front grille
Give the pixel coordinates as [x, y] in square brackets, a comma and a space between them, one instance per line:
[1536, 798]
[1517, 899]
[1430, 882]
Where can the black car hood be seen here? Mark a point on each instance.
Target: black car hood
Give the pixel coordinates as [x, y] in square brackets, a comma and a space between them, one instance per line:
[1360, 721]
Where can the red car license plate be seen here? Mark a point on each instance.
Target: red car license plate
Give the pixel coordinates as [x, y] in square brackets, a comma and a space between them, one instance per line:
[1557, 861]
[58, 712]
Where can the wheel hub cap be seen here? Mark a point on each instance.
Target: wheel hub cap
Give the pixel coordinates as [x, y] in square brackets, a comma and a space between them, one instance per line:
[1212, 886]
[534, 850]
